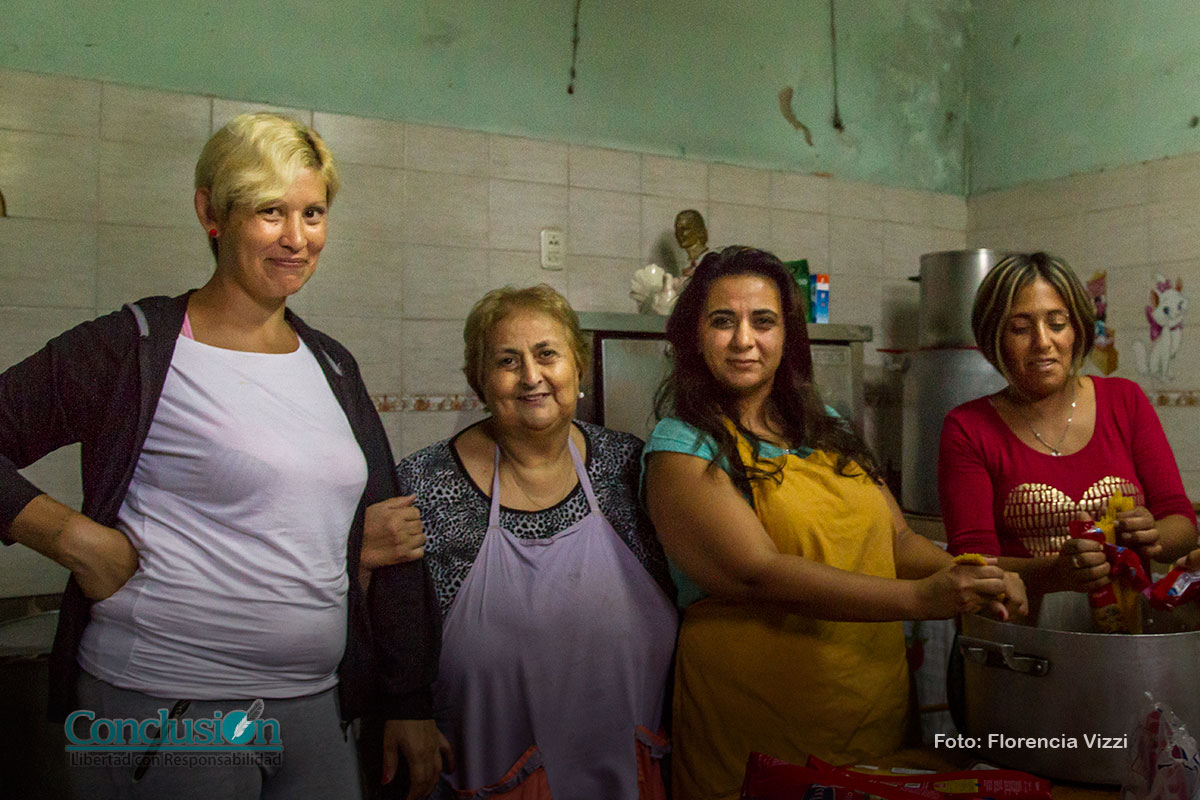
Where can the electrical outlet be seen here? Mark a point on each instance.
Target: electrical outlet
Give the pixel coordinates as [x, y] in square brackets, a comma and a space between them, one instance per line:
[554, 248]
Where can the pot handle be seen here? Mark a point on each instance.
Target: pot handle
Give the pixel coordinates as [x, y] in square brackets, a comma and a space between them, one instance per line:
[998, 654]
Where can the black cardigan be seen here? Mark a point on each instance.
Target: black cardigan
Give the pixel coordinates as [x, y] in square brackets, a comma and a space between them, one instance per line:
[99, 384]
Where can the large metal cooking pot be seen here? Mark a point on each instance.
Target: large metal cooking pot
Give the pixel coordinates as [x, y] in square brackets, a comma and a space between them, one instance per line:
[948, 282]
[936, 382]
[946, 370]
[1083, 693]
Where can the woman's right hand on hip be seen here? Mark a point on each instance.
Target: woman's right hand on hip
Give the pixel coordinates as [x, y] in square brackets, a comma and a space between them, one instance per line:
[101, 558]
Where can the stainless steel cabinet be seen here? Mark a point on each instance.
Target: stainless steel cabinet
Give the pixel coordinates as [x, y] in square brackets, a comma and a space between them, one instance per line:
[629, 361]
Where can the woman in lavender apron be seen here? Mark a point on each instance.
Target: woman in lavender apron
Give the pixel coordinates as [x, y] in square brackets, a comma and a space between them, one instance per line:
[558, 622]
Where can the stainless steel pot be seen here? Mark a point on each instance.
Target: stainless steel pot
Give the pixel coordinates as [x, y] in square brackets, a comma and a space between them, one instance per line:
[936, 381]
[948, 282]
[1082, 693]
[941, 374]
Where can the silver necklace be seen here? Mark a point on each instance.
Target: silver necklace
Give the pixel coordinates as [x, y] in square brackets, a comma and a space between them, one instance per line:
[1056, 448]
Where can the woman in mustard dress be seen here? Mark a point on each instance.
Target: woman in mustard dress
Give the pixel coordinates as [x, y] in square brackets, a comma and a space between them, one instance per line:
[792, 560]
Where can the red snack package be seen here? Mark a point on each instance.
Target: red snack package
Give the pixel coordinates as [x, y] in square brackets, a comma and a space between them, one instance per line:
[770, 778]
[1174, 589]
[995, 784]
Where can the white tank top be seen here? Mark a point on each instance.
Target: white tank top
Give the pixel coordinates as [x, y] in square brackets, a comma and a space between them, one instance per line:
[240, 509]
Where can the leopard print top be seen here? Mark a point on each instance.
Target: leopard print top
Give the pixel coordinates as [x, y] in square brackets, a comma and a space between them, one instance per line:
[454, 510]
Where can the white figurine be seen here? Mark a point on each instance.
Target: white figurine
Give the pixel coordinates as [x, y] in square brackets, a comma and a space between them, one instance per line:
[654, 290]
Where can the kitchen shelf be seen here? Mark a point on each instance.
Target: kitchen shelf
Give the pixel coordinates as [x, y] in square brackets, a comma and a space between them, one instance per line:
[629, 359]
[654, 323]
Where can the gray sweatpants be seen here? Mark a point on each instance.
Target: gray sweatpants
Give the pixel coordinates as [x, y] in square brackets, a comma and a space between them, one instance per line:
[317, 760]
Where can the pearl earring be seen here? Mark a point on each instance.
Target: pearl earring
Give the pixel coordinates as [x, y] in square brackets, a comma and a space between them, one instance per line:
[581, 394]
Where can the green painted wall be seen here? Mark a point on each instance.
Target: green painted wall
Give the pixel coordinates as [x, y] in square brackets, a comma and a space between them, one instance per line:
[1068, 86]
[682, 77]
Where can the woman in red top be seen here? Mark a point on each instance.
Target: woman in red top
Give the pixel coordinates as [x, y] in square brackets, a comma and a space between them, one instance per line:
[1015, 467]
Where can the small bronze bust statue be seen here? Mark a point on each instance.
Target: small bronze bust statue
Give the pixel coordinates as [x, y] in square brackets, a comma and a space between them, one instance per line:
[692, 236]
[654, 289]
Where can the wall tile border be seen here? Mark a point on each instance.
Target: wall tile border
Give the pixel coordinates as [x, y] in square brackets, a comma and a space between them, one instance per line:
[1174, 397]
[388, 403]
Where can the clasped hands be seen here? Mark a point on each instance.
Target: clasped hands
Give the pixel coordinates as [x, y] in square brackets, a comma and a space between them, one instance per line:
[979, 586]
[1082, 566]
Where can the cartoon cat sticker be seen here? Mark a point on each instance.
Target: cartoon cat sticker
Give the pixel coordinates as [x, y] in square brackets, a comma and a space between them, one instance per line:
[1165, 315]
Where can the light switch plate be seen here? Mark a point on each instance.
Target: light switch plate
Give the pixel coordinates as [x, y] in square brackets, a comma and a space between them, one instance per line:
[554, 248]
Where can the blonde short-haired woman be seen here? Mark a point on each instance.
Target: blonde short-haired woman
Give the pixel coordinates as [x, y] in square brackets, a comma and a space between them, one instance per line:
[229, 454]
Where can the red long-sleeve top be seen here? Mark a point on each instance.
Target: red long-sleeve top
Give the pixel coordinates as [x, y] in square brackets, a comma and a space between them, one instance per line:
[1001, 497]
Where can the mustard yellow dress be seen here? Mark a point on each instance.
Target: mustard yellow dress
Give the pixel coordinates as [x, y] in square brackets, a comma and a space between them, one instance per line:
[753, 677]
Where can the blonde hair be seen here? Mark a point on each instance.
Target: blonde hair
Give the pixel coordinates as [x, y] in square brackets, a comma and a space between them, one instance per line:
[996, 294]
[254, 158]
[498, 304]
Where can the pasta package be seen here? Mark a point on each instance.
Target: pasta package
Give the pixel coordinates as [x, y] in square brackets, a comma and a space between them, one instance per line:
[1117, 607]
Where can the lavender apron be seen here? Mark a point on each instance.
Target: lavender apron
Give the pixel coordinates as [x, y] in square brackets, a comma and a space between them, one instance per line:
[554, 654]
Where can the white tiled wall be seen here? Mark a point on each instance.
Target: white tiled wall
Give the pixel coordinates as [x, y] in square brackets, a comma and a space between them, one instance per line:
[1132, 222]
[98, 180]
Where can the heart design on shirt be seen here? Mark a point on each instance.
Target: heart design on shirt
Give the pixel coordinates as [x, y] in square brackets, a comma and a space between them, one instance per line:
[1038, 513]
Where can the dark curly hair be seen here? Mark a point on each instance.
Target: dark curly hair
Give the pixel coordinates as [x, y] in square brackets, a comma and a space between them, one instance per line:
[691, 393]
